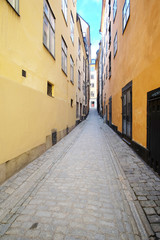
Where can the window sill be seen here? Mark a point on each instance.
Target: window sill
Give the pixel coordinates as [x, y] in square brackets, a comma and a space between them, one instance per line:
[49, 51]
[64, 72]
[13, 9]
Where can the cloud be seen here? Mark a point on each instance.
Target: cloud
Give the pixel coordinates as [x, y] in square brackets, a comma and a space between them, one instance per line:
[94, 48]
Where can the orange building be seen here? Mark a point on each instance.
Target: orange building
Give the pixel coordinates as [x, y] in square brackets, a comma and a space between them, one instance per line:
[130, 56]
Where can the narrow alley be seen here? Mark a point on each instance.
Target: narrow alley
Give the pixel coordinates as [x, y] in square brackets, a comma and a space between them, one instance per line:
[90, 185]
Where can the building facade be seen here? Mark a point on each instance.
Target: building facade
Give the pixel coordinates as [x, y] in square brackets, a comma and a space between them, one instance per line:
[130, 52]
[93, 85]
[38, 78]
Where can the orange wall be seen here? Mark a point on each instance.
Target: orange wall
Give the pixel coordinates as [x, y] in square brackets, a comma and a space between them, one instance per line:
[137, 59]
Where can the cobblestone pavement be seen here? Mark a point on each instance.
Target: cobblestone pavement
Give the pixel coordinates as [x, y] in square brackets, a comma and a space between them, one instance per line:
[90, 185]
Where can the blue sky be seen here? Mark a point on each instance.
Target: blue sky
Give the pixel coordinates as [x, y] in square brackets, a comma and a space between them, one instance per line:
[90, 10]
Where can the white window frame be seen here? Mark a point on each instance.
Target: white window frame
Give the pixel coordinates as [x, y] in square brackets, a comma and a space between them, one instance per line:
[64, 56]
[79, 48]
[65, 9]
[125, 14]
[115, 44]
[48, 28]
[14, 4]
[114, 9]
[71, 69]
[72, 28]
[79, 80]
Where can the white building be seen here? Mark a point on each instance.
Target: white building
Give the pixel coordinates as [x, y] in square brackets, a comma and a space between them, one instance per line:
[93, 85]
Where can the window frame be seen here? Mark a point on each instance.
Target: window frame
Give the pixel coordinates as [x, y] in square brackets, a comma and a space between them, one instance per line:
[114, 10]
[15, 8]
[79, 80]
[124, 15]
[50, 92]
[65, 9]
[51, 27]
[64, 49]
[71, 70]
[72, 28]
[115, 44]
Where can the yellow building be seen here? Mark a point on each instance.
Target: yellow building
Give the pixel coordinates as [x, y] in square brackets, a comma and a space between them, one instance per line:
[130, 51]
[81, 106]
[38, 53]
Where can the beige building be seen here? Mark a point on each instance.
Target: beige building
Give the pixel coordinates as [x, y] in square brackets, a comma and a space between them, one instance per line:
[93, 85]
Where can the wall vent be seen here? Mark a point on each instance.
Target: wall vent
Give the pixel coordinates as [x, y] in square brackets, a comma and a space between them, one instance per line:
[54, 138]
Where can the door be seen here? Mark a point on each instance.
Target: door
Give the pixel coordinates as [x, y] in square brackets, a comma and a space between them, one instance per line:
[153, 124]
[110, 111]
[106, 114]
[127, 112]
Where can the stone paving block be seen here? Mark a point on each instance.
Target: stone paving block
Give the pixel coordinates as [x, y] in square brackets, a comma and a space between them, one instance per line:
[149, 211]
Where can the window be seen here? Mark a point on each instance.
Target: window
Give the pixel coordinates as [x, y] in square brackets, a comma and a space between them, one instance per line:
[84, 64]
[106, 72]
[109, 3]
[79, 80]
[106, 48]
[64, 9]
[79, 48]
[114, 9]
[71, 102]
[110, 65]
[48, 28]
[72, 28]
[50, 89]
[14, 4]
[109, 34]
[93, 61]
[64, 56]
[92, 94]
[92, 69]
[125, 14]
[115, 45]
[92, 76]
[71, 70]
[92, 85]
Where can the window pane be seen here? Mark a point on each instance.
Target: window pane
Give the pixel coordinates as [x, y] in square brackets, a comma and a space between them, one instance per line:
[46, 10]
[46, 33]
[51, 19]
[51, 41]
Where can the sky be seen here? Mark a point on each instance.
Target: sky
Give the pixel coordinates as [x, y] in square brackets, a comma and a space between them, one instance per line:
[90, 11]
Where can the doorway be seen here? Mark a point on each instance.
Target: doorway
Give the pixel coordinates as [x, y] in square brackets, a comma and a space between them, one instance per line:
[127, 111]
[110, 111]
[153, 125]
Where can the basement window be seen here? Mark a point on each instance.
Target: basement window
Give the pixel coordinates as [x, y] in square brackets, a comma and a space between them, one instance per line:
[50, 89]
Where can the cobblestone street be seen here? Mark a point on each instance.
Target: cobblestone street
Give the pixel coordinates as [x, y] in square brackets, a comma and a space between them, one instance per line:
[90, 185]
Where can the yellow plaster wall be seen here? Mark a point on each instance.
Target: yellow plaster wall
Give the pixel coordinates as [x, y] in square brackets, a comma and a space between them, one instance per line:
[137, 59]
[28, 114]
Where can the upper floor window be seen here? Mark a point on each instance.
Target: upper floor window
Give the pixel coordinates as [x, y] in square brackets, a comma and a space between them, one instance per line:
[109, 5]
[125, 14]
[110, 65]
[92, 76]
[71, 70]
[14, 4]
[92, 69]
[114, 9]
[79, 48]
[115, 45]
[72, 28]
[48, 28]
[64, 56]
[64, 8]
[79, 80]
[109, 34]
